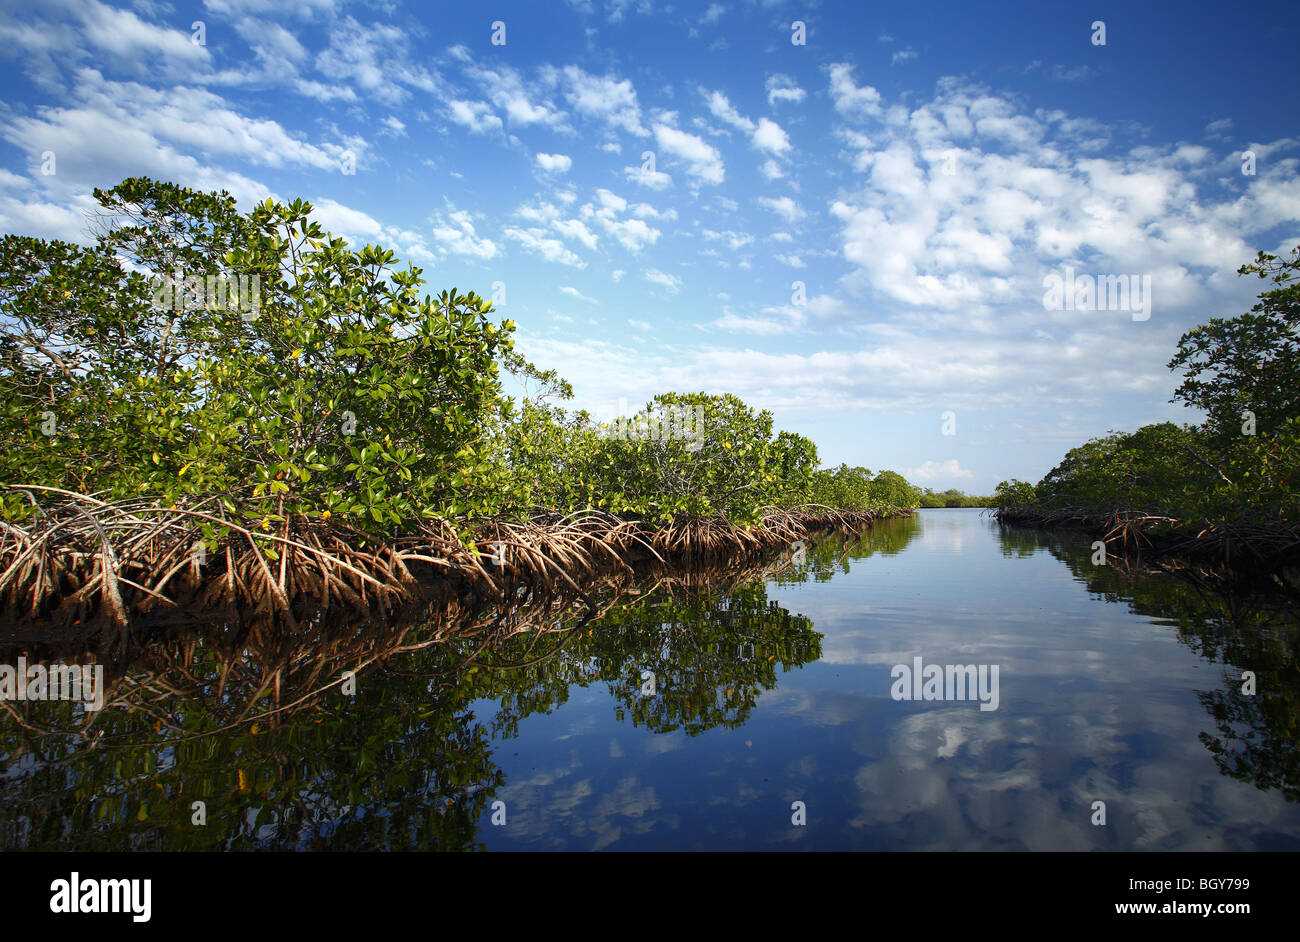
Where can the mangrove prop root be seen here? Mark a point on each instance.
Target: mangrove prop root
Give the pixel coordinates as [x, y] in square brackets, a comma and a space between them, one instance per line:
[1242, 543]
[84, 561]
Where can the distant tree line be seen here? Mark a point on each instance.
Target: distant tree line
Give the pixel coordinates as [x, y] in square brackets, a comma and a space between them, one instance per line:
[952, 498]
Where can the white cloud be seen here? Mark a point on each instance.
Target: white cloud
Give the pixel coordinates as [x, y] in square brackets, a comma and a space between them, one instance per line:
[723, 111]
[575, 293]
[554, 163]
[770, 137]
[354, 224]
[938, 470]
[506, 89]
[271, 42]
[456, 233]
[475, 115]
[651, 179]
[766, 135]
[540, 243]
[575, 229]
[55, 38]
[610, 200]
[107, 116]
[754, 326]
[671, 282]
[783, 88]
[375, 59]
[703, 162]
[633, 234]
[1029, 193]
[616, 9]
[646, 211]
[734, 240]
[783, 206]
[851, 100]
[604, 98]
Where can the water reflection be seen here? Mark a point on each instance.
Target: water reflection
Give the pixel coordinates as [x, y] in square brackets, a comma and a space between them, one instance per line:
[258, 723]
[823, 560]
[1240, 621]
[689, 708]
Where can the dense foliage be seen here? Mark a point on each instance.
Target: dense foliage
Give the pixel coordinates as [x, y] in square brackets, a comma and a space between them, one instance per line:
[336, 389]
[1240, 462]
[196, 350]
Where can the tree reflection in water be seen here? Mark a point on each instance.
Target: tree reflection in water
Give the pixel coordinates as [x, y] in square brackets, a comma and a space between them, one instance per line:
[1242, 622]
[256, 722]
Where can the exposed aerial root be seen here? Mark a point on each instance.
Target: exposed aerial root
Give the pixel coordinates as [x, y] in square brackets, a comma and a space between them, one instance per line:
[1242, 542]
[85, 560]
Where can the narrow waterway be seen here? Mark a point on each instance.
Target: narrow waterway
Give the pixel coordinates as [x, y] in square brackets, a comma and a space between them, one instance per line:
[767, 714]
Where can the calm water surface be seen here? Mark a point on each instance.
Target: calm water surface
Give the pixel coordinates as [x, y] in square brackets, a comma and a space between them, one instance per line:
[1114, 688]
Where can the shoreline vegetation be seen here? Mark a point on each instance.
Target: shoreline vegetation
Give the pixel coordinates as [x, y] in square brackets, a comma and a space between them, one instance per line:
[248, 670]
[1222, 491]
[209, 408]
[237, 410]
[115, 563]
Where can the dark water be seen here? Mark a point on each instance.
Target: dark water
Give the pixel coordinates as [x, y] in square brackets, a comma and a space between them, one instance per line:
[768, 691]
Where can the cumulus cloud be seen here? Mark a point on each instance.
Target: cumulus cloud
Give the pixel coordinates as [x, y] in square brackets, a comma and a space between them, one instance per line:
[671, 282]
[512, 96]
[765, 134]
[970, 201]
[735, 240]
[702, 161]
[577, 230]
[770, 137]
[722, 109]
[455, 232]
[375, 60]
[783, 206]
[603, 98]
[554, 163]
[782, 88]
[612, 215]
[642, 175]
[850, 99]
[475, 115]
[539, 242]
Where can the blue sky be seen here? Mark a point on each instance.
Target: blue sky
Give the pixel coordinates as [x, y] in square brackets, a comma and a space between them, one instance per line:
[647, 182]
